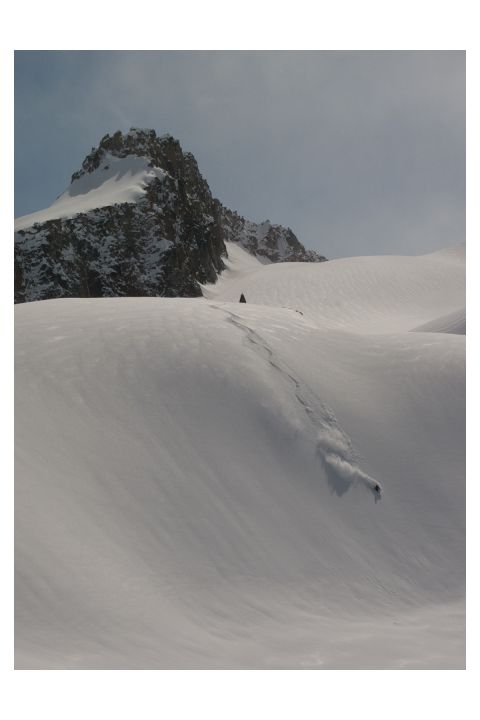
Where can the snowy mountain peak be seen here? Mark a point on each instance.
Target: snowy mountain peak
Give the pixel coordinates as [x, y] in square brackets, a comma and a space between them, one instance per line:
[137, 219]
[138, 142]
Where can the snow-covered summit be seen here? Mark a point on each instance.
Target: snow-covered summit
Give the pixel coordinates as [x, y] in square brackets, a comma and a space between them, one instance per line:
[136, 142]
[114, 181]
[137, 219]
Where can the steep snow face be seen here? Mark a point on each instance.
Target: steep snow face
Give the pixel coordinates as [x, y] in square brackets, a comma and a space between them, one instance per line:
[196, 479]
[116, 180]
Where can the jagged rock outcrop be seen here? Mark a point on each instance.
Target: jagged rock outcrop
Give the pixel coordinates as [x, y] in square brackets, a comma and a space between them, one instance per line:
[163, 235]
[274, 243]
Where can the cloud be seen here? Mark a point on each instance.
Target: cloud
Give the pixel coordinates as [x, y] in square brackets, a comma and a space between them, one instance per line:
[358, 152]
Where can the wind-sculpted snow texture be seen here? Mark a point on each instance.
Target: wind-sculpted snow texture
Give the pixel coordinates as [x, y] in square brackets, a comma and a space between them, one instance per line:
[195, 477]
[137, 220]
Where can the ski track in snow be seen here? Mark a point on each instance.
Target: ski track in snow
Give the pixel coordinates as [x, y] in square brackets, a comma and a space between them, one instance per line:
[334, 447]
[179, 464]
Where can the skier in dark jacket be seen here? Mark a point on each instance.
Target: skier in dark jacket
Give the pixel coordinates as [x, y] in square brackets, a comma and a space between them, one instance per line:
[242, 298]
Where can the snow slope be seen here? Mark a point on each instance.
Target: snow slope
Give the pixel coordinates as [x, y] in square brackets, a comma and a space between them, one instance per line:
[195, 479]
[454, 322]
[116, 180]
[363, 294]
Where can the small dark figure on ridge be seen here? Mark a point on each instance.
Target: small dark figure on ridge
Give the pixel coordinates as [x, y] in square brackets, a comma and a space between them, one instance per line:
[242, 298]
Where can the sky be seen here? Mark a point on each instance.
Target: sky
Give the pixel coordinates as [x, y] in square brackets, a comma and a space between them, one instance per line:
[360, 153]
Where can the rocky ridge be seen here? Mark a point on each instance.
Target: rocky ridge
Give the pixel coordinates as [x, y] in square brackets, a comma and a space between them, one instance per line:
[167, 242]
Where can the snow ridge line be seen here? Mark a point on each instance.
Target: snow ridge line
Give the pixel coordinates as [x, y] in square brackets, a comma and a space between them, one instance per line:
[334, 447]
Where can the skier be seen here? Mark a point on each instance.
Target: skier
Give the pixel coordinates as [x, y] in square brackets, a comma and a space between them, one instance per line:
[242, 298]
[378, 492]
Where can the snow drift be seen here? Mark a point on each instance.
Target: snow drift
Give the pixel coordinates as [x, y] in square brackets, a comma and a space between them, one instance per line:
[454, 322]
[195, 478]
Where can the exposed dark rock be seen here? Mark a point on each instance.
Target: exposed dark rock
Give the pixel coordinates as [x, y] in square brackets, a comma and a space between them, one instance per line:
[164, 244]
[274, 243]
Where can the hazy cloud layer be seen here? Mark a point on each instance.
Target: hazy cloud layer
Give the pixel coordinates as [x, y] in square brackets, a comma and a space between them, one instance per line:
[358, 152]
